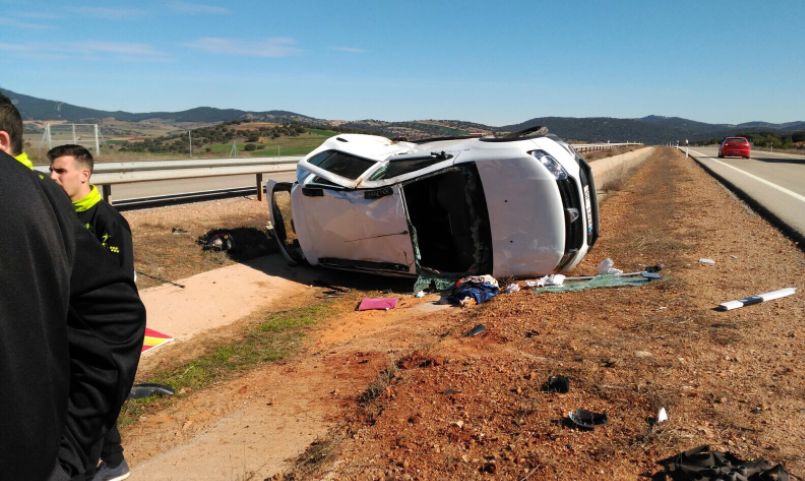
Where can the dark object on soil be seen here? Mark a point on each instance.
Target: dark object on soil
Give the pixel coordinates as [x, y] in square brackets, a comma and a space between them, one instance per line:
[654, 268]
[559, 384]
[587, 419]
[139, 391]
[476, 331]
[331, 287]
[701, 464]
[160, 279]
[240, 244]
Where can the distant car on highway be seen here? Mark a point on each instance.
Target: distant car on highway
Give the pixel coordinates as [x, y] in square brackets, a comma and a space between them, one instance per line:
[735, 147]
[518, 205]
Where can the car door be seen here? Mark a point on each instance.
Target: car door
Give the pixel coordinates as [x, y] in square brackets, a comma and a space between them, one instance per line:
[363, 229]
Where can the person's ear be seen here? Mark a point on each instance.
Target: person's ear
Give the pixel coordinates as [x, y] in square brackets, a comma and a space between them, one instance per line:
[5, 142]
[85, 175]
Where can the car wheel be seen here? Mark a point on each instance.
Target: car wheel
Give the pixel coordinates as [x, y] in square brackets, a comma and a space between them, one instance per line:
[720, 156]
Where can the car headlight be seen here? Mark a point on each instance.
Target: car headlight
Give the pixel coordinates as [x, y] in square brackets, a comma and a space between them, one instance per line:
[550, 163]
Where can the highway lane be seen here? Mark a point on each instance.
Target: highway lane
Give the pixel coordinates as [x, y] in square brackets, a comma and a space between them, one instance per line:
[200, 184]
[774, 180]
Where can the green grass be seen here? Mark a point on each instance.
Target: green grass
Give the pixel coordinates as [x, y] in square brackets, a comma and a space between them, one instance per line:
[284, 145]
[275, 338]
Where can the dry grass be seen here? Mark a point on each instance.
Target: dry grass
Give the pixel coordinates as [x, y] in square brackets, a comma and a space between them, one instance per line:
[165, 247]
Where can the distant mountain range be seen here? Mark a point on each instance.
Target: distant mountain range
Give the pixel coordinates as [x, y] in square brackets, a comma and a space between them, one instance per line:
[652, 129]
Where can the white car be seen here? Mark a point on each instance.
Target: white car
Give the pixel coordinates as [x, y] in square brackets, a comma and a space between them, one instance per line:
[521, 205]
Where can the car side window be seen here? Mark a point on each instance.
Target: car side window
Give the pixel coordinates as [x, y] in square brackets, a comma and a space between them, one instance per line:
[340, 163]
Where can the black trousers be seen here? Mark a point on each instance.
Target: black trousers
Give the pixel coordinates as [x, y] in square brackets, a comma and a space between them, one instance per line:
[112, 451]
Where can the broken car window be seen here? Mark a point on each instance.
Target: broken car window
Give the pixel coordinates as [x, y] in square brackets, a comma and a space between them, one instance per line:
[395, 168]
[339, 163]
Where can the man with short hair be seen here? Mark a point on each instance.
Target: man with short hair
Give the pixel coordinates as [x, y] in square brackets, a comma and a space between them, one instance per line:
[71, 324]
[71, 167]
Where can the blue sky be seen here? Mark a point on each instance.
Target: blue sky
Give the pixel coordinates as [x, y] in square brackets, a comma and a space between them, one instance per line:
[493, 63]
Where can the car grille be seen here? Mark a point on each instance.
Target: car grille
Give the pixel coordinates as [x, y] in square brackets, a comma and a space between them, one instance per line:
[574, 226]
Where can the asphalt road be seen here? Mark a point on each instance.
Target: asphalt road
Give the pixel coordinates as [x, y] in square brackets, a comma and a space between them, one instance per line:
[774, 180]
[165, 187]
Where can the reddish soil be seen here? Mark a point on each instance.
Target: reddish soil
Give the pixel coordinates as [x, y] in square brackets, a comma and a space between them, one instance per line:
[405, 395]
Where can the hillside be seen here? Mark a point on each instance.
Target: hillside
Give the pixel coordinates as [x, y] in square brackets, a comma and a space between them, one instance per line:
[652, 129]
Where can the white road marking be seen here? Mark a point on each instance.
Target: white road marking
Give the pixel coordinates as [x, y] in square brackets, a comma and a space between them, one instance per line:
[793, 194]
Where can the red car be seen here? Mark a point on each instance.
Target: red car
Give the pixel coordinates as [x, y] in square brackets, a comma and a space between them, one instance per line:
[735, 146]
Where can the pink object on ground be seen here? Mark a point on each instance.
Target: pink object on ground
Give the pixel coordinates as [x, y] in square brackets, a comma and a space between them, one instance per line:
[384, 303]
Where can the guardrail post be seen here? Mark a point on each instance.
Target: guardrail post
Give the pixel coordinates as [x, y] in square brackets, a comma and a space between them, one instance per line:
[260, 187]
[106, 191]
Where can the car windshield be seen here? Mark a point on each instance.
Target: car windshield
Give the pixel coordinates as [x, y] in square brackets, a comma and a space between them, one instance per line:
[339, 163]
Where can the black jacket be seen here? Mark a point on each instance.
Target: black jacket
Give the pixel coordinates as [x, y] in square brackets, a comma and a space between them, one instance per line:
[112, 231]
[71, 330]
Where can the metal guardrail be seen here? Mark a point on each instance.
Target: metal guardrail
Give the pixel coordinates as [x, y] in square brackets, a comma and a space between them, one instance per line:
[107, 174]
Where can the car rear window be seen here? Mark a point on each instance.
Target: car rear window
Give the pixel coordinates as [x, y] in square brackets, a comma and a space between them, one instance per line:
[737, 140]
[339, 163]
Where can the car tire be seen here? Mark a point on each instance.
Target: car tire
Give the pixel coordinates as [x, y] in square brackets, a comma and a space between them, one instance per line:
[720, 156]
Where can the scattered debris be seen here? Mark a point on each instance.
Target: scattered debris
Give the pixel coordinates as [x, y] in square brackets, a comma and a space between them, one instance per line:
[662, 415]
[551, 280]
[607, 267]
[377, 303]
[702, 464]
[240, 244]
[642, 354]
[178, 231]
[332, 287]
[420, 294]
[655, 268]
[476, 331]
[139, 391]
[707, 262]
[596, 282]
[560, 384]
[513, 287]
[587, 419]
[160, 279]
[480, 288]
[748, 301]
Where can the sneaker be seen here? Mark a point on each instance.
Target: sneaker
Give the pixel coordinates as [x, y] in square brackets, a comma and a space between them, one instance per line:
[112, 473]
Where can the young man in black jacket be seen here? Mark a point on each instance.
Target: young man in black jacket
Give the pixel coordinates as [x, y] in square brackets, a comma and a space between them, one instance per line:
[71, 167]
[71, 323]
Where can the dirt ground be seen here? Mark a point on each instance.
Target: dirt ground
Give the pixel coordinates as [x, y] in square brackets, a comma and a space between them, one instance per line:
[403, 394]
[165, 247]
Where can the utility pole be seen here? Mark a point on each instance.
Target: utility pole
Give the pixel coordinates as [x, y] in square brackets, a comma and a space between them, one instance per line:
[190, 139]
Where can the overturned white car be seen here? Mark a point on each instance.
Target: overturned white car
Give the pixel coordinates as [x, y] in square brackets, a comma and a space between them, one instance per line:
[513, 206]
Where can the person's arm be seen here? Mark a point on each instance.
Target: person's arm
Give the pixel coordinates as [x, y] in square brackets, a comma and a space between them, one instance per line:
[36, 257]
[116, 237]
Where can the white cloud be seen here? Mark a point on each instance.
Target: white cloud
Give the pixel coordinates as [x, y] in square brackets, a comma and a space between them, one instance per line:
[349, 49]
[116, 13]
[198, 8]
[120, 50]
[271, 47]
[10, 22]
